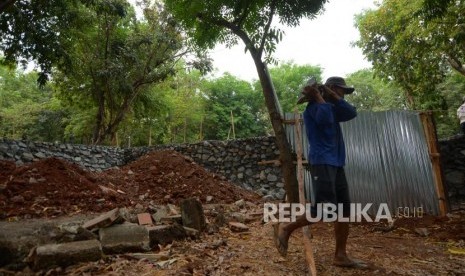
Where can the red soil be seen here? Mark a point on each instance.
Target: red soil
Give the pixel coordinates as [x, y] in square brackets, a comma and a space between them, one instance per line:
[53, 187]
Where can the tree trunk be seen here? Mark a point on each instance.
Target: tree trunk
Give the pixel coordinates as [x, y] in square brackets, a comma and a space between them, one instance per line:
[272, 104]
[96, 139]
[274, 110]
[112, 127]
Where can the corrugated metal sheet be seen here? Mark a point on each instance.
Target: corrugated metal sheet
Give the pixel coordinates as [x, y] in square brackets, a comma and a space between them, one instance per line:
[387, 160]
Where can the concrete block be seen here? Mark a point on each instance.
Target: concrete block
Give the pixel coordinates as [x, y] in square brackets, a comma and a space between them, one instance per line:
[165, 234]
[192, 214]
[66, 254]
[103, 220]
[124, 238]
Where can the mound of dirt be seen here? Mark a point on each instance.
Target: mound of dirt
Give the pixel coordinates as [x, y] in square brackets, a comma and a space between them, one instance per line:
[168, 177]
[53, 187]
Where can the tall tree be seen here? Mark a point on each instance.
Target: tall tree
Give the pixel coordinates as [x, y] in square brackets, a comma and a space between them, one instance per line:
[415, 48]
[220, 21]
[116, 58]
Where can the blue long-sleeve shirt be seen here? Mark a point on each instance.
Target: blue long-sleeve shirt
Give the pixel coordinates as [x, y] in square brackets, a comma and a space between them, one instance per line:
[324, 132]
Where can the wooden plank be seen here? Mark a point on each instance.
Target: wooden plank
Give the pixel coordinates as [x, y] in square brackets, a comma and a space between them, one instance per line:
[300, 179]
[276, 162]
[432, 142]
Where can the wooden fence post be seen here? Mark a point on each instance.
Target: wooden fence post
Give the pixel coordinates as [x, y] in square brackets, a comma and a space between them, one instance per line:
[432, 142]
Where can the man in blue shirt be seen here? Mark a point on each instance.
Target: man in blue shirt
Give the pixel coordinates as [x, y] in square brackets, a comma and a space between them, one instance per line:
[326, 108]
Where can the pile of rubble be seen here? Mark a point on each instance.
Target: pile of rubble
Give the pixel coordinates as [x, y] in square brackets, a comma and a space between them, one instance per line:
[53, 187]
[44, 244]
[139, 207]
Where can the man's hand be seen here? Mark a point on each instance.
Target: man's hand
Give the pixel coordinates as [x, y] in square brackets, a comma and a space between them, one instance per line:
[310, 93]
[330, 94]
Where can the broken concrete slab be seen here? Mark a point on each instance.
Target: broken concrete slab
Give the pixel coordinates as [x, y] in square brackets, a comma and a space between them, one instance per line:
[103, 220]
[18, 238]
[192, 214]
[126, 237]
[66, 254]
[165, 234]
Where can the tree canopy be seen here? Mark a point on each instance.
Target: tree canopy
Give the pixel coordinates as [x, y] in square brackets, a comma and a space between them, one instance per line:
[233, 109]
[219, 21]
[36, 30]
[415, 50]
[115, 59]
[27, 111]
[374, 94]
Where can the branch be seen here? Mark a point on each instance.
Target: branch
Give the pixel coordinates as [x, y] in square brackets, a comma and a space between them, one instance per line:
[456, 64]
[143, 79]
[234, 28]
[267, 28]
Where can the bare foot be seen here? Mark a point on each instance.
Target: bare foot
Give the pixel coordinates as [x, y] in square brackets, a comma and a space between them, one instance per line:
[280, 239]
[351, 263]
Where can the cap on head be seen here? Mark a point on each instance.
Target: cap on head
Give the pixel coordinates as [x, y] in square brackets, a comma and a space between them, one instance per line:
[340, 82]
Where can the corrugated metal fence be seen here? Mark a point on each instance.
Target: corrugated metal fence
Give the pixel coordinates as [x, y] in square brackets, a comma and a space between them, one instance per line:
[388, 160]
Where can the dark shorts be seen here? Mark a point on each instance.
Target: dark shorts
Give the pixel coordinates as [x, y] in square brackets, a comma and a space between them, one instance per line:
[330, 186]
[462, 125]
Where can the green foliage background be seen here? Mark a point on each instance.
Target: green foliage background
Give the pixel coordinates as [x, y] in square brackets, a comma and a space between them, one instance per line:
[416, 55]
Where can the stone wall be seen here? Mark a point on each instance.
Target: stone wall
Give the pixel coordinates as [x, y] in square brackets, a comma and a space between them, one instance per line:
[90, 157]
[237, 160]
[453, 165]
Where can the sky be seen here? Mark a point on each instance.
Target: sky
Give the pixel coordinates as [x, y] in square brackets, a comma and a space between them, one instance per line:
[324, 41]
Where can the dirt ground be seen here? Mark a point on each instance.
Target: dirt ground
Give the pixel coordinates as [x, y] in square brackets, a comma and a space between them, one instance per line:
[400, 251]
[53, 188]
